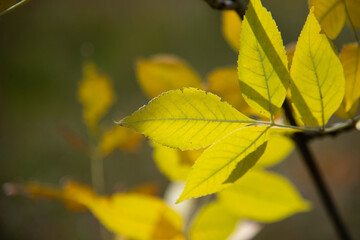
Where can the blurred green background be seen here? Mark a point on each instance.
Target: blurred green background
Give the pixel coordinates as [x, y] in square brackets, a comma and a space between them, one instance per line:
[43, 45]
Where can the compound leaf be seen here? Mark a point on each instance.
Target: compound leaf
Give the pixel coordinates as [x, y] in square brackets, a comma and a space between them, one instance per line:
[187, 119]
[262, 63]
[213, 168]
[350, 59]
[318, 77]
[262, 196]
[165, 72]
[213, 222]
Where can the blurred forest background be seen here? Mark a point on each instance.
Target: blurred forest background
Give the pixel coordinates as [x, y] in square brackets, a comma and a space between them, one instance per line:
[43, 45]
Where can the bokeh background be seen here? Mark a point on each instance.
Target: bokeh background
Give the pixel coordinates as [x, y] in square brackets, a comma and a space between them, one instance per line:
[43, 45]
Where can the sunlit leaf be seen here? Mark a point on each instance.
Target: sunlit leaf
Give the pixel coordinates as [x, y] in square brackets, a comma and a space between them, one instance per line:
[231, 24]
[173, 163]
[162, 73]
[331, 15]
[318, 78]
[120, 137]
[278, 147]
[95, 94]
[225, 83]
[213, 168]
[350, 59]
[213, 222]
[262, 64]
[187, 119]
[262, 196]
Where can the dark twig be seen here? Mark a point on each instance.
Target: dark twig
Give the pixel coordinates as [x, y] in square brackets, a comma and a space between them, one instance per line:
[301, 139]
[239, 6]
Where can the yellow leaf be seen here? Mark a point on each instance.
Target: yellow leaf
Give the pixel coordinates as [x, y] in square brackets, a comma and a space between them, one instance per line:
[173, 163]
[187, 119]
[231, 24]
[133, 215]
[262, 196]
[331, 15]
[211, 171]
[350, 59]
[318, 78]
[262, 64]
[162, 73]
[213, 222]
[278, 147]
[225, 83]
[95, 94]
[120, 137]
[353, 8]
[341, 112]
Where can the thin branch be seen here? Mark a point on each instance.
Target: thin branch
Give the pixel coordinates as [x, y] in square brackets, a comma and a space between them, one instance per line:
[19, 3]
[239, 6]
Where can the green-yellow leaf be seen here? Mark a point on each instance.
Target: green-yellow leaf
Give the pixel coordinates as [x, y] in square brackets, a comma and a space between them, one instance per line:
[350, 59]
[162, 73]
[174, 163]
[318, 78]
[225, 83]
[213, 168]
[331, 15]
[262, 196]
[187, 119]
[213, 222]
[278, 147]
[95, 94]
[262, 64]
[231, 24]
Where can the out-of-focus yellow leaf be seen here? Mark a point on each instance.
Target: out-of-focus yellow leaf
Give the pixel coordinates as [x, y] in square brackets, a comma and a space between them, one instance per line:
[278, 147]
[151, 189]
[225, 83]
[262, 63]
[341, 112]
[187, 119]
[353, 7]
[350, 59]
[331, 15]
[173, 163]
[162, 73]
[133, 215]
[95, 94]
[213, 222]
[231, 24]
[211, 172]
[262, 196]
[318, 78]
[120, 137]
